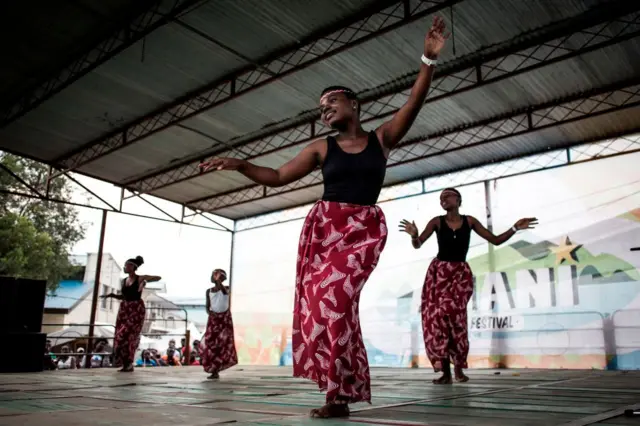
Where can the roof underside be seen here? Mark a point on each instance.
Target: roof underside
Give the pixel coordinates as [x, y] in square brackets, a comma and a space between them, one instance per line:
[189, 79]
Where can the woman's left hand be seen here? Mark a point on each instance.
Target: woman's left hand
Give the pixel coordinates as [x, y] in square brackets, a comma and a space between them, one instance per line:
[435, 40]
[526, 223]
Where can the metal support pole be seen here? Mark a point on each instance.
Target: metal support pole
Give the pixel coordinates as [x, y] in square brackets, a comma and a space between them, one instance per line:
[187, 349]
[233, 239]
[96, 290]
[494, 349]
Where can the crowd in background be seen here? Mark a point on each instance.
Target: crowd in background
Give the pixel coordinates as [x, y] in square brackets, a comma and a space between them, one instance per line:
[102, 356]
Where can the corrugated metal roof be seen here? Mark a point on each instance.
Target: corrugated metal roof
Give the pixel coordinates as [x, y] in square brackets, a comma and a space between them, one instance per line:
[175, 60]
[46, 35]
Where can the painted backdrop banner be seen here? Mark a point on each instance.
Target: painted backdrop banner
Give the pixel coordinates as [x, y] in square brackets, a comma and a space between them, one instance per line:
[564, 295]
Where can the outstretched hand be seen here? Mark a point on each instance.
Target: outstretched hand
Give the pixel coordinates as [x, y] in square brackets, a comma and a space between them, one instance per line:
[526, 223]
[221, 164]
[409, 227]
[436, 38]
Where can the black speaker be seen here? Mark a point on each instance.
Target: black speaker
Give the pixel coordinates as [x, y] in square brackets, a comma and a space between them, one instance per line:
[29, 354]
[21, 305]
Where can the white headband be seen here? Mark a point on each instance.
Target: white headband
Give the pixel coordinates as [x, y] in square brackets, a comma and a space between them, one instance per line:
[334, 92]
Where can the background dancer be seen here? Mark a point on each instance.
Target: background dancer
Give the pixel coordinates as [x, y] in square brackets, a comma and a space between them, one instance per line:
[131, 314]
[343, 234]
[448, 285]
[219, 350]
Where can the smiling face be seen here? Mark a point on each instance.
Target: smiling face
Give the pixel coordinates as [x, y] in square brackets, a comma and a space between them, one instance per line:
[336, 109]
[449, 200]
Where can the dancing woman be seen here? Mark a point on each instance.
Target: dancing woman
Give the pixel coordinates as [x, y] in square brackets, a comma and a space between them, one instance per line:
[448, 285]
[131, 313]
[219, 349]
[343, 234]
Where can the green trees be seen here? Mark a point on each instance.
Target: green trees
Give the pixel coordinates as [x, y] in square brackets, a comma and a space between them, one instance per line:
[36, 236]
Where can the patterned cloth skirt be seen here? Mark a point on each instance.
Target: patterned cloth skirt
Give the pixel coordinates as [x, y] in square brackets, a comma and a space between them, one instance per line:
[447, 289]
[219, 350]
[339, 248]
[128, 328]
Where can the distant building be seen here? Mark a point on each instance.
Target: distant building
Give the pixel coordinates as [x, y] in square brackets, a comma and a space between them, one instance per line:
[71, 302]
[195, 307]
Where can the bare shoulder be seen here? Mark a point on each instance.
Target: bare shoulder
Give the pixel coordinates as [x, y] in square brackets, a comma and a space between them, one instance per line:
[319, 148]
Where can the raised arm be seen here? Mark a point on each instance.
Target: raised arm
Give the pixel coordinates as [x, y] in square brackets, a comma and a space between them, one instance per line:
[496, 240]
[411, 229]
[112, 296]
[392, 131]
[300, 166]
[150, 278]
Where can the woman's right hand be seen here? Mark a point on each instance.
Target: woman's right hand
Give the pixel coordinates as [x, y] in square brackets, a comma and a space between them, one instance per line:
[221, 164]
[409, 227]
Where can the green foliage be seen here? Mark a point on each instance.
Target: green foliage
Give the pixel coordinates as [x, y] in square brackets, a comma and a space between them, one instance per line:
[36, 236]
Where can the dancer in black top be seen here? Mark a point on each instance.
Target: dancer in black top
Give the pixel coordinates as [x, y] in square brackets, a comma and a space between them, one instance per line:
[343, 235]
[131, 314]
[448, 285]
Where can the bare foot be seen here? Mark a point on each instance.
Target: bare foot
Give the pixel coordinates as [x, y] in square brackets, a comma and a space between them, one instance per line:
[126, 369]
[460, 376]
[214, 376]
[331, 409]
[443, 380]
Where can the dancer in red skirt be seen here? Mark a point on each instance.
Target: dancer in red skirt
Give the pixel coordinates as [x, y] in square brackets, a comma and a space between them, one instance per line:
[448, 285]
[130, 315]
[219, 350]
[343, 234]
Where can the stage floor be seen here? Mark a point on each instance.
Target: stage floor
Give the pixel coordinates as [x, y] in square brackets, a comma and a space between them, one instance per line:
[269, 396]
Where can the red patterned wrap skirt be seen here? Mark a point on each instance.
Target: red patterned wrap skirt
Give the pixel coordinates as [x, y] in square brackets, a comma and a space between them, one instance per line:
[340, 245]
[128, 328]
[219, 350]
[447, 289]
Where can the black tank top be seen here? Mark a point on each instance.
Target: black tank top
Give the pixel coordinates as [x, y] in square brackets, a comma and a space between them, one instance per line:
[453, 245]
[354, 178]
[130, 293]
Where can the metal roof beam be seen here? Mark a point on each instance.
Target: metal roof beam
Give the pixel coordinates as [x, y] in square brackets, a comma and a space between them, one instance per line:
[580, 106]
[530, 51]
[383, 17]
[160, 13]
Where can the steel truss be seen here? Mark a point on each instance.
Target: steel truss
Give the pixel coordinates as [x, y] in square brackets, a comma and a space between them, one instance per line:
[161, 13]
[529, 52]
[535, 118]
[544, 161]
[43, 195]
[386, 17]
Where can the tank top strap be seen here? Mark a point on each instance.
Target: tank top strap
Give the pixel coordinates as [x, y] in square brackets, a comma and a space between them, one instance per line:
[374, 143]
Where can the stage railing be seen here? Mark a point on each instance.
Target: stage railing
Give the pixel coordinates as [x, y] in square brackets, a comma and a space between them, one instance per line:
[625, 324]
[548, 333]
[75, 336]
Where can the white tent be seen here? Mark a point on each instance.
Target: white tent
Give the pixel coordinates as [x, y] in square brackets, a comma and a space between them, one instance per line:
[75, 332]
